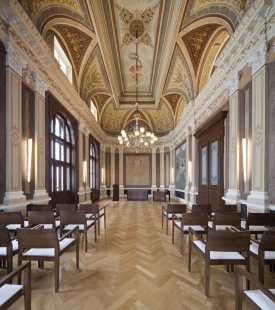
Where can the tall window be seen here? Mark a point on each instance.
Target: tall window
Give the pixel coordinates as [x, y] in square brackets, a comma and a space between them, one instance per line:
[63, 60]
[94, 110]
[93, 159]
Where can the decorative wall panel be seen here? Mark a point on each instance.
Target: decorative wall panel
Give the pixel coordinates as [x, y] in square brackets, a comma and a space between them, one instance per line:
[180, 172]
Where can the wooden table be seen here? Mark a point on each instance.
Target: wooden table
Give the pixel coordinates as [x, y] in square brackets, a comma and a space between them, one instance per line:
[137, 194]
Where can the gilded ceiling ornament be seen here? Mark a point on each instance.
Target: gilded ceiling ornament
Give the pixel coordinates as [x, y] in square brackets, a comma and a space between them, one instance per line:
[196, 41]
[111, 119]
[163, 118]
[181, 107]
[173, 99]
[136, 21]
[100, 100]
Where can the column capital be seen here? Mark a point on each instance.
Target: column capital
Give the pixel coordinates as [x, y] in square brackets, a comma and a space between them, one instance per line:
[103, 147]
[81, 126]
[154, 150]
[14, 61]
[259, 58]
[121, 149]
[112, 149]
[39, 84]
[87, 133]
[161, 148]
[234, 84]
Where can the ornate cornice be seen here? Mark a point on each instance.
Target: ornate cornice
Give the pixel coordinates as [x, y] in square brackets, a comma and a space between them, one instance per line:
[81, 126]
[14, 61]
[259, 58]
[234, 84]
[39, 85]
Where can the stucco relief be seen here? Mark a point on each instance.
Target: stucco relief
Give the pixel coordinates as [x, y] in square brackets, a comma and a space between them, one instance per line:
[100, 100]
[163, 118]
[111, 119]
[173, 100]
[181, 107]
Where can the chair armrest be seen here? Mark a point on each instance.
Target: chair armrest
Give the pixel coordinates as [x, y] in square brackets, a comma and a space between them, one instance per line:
[232, 228]
[14, 273]
[193, 232]
[76, 228]
[39, 226]
[103, 208]
[93, 215]
[164, 209]
[254, 240]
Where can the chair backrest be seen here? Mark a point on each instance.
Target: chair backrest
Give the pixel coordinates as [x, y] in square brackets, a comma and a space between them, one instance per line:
[41, 217]
[176, 208]
[227, 218]
[201, 208]
[5, 240]
[89, 208]
[227, 208]
[228, 241]
[65, 207]
[67, 217]
[260, 219]
[41, 208]
[37, 238]
[189, 219]
[267, 241]
[7, 218]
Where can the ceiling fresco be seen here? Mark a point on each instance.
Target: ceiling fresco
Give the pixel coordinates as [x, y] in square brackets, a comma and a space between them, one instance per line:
[179, 42]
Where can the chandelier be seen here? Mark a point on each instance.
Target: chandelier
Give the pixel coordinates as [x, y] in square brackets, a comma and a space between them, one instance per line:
[136, 138]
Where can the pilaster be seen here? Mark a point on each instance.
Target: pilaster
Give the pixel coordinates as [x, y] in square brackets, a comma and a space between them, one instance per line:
[81, 189]
[162, 185]
[194, 168]
[121, 185]
[154, 176]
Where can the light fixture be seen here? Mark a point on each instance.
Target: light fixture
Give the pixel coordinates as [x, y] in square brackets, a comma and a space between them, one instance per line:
[244, 158]
[137, 138]
[29, 160]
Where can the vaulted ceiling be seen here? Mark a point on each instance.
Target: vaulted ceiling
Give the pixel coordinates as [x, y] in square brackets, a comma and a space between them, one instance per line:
[179, 43]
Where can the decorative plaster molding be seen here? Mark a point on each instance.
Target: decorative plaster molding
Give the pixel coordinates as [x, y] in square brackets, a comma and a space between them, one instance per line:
[259, 17]
[232, 54]
[29, 77]
[239, 44]
[81, 126]
[14, 61]
[234, 84]
[25, 33]
[41, 55]
[33, 44]
[14, 19]
[39, 85]
[259, 58]
[249, 31]
[87, 132]
[48, 64]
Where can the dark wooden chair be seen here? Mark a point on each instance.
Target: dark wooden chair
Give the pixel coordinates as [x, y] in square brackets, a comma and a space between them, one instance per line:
[202, 208]
[259, 298]
[264, 252]
[221, 248]
[90, 209]
[221, 220]
[43, 245]
[65, 207]
[9, 293]
[8, 248]
[45, 218]
[197, 221]
[227, 208]
[257, 223]
[46, 207]
[13, 220]
[70, 220]
[170, 212]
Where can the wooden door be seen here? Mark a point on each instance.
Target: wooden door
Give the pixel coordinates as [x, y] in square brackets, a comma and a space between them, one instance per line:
[211, 159]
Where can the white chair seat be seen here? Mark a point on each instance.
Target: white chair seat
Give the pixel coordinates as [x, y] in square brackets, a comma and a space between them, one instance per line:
[81, 227]
[217, 254]
[15, 226]
[3, 250]
[48, 226]
[260, 299]
[218, 227]
[100, 213]
[179, 215]
[254, 248]
[48, 251]
[186, 228]
[7, 291]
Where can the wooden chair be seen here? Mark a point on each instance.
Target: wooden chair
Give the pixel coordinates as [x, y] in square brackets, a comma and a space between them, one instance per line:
[263, 251]
[221, 220]
[170, 212]
[201, 208]
[257, 223]
[43, 245]
[65, 207]
[90, 209]
[197, 221]
[9, 293]
[13, 220]
[227, 208]
[8, 248]
[259, 298]
[45, 218]
[41, 208]
[70, 220]
[221, 248]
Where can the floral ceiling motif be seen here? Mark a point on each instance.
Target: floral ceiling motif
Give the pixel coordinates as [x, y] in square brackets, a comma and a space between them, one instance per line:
[173, 99]
[76, 41]
[100, 100]
[94, 78]
[163, 119]
[181, 106]
[39, 11]
[211, 57]
[111, 119]
[196, 41]
[179, 77]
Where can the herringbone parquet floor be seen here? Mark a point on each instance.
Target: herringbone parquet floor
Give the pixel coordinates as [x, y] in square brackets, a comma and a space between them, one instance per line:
[134, 265]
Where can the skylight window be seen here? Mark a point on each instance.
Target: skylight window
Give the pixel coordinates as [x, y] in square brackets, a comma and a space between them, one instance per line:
[63, 60]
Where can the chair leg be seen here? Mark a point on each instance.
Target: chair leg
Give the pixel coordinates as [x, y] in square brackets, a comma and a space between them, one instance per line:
[56, 266]
[95, 232]
[167, 224]
[104, 217]
[98, 224]
[207, 278]
[85, 240]
[27, 288]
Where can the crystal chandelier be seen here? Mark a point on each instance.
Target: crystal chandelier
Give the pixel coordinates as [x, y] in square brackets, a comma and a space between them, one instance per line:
[138, 138]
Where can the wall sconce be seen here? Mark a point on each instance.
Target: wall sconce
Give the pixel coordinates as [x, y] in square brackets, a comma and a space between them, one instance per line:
[29, 160]
[190, 171]
[102, 175]
[84, 171]
[244, 158]
[172, 175]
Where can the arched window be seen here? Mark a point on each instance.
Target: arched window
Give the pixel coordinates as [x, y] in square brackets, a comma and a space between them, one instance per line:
[63, 60]
[94, 110]
[93, 166]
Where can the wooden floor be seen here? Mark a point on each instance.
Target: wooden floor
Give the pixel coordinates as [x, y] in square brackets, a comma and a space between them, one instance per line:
[134, 265]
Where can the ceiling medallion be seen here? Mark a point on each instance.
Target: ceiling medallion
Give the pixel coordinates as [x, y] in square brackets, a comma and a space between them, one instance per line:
[136, 27]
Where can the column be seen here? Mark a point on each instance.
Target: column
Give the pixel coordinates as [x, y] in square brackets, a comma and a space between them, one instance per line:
[14, 195]
[233, 193]
[102, 172]
[87, 172]
[81, 189]
[188, 161]
[172, 170]
[121, 184]
[40, 195]
[113, 170]
[154, 176]
[194, 169]
[162, 185]
[258, 200]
